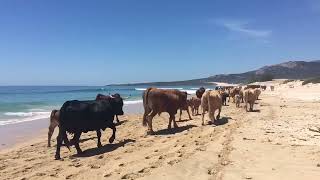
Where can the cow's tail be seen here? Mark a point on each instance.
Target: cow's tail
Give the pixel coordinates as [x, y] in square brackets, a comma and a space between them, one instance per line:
[145, 106]
[62, 130]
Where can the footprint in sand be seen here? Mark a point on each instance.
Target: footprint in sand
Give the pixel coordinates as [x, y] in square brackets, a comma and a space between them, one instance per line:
[94, 166]
[108, 175]
[40, 174]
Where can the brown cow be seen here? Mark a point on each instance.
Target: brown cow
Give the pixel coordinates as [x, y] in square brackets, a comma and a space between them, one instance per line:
[186, 108]
[195, 104]
[54, 122]
[211, 101]
[156, 101]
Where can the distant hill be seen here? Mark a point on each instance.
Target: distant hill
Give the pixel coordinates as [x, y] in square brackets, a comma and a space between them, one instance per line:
[287, 70]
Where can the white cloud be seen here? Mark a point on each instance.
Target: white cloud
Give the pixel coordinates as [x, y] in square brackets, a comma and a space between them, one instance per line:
[241, 26]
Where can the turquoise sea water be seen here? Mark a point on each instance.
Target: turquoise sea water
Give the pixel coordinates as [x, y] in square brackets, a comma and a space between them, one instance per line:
[28, 103]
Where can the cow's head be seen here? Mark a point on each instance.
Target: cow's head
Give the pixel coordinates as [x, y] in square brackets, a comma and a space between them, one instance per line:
[200, 92]
[117, 104]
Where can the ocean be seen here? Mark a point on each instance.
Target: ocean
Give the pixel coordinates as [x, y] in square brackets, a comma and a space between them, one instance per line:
[28, 103]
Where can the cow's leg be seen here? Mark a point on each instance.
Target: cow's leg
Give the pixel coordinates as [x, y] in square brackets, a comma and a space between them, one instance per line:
[218, 116]
[59, 143]
[173, 118]
[170, 121]
[145, 116]
[117, 119]
[212, 116]
[50, 132]
[99, 138]
[149, 121]
[180, 114]
[190, 118]
[113, 127]
[251, 107]
[76, 142]
[203, 112]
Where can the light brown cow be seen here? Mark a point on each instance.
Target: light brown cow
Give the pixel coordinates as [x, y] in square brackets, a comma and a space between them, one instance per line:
[156, 101]
[238, 100]
[272, 88]
[249, 97]
[241, 95]
[233, 92]
[195, 104]
[54, 122]
[211, 101]
[257, 92]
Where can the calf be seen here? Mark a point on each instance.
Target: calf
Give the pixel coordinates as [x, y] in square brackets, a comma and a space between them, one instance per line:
[186, 108]
[257, 93]
[238, 100]
[195, 104]
[54, 122]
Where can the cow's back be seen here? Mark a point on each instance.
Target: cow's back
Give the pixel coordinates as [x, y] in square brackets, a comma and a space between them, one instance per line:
[215, 99]
[160, 100]
[85, 115]
[249, 95]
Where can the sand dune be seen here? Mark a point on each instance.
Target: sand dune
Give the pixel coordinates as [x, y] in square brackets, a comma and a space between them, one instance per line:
[273, 143]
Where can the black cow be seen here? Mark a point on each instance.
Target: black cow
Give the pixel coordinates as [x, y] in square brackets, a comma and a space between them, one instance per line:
[101, 96]
[83, 116]
[200, 92]
[224, 96]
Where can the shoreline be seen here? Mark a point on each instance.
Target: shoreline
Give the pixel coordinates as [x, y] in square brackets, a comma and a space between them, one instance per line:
[12, 135]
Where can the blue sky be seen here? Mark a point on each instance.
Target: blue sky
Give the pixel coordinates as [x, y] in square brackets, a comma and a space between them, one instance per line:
[96, 42]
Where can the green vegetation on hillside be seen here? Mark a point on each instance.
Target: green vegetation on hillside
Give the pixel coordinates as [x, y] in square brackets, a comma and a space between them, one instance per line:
[261, 78]
[311, 80]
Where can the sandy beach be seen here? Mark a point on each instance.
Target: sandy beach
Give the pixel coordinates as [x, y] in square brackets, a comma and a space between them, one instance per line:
[278, 141]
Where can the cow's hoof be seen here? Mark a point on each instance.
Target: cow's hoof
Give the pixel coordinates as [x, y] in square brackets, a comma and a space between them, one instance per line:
[79, 152]
[111, 140]
[99, 145]
[57, 157]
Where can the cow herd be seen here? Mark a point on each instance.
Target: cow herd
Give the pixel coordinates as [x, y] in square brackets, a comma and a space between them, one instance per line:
[77, 117]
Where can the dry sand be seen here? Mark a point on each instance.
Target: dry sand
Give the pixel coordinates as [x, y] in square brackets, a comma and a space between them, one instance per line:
[272, 143]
